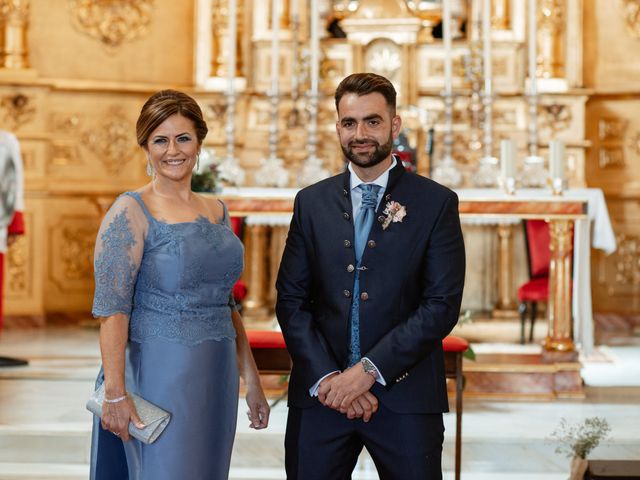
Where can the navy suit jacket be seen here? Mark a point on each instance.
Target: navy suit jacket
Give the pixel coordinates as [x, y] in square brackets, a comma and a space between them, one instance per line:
[413, 285]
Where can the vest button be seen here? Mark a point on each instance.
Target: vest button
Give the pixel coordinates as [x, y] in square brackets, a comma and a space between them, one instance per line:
[350, 268]
[364, 296]
[347, 293]
[346, 216]
[347, 243]
[371, 243]
[381, 218]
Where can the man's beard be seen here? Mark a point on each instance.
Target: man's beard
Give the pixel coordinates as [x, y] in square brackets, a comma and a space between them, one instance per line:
[368, 160]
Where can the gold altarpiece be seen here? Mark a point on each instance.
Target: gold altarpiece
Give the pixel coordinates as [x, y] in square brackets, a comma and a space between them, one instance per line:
[71, 89]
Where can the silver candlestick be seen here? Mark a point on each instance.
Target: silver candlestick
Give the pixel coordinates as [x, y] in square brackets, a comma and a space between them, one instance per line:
[447, 171]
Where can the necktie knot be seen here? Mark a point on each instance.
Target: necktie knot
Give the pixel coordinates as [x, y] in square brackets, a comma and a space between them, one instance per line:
[369, 195]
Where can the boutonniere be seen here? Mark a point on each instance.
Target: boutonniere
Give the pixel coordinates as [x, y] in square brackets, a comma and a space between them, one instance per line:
[394, 213]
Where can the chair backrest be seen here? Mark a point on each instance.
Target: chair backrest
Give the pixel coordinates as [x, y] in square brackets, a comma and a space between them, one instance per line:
[537, 238]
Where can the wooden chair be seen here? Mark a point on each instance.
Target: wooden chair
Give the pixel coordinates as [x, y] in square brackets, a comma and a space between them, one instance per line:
[271, 356]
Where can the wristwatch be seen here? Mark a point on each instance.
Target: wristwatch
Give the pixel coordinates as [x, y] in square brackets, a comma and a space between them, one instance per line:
[369, 367]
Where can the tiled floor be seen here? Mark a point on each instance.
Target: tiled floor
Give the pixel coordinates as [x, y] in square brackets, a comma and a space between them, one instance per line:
[44, 428]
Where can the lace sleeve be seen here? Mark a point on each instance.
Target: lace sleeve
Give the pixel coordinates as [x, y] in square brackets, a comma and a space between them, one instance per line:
[117, 257]
[226, 221]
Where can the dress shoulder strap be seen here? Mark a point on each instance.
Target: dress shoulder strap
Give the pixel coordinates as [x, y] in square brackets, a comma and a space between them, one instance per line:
[138, 198]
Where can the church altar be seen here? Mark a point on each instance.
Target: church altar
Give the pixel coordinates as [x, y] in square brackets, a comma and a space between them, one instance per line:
[267, 213]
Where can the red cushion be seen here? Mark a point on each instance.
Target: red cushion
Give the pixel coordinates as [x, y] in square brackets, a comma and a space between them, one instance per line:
[538, 238]
[454, 344]
[239, 291]
[265, 339]
[536, 290]
[236, 225]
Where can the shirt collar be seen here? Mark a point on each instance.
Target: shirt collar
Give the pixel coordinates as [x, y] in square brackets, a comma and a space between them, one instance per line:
[382, 180]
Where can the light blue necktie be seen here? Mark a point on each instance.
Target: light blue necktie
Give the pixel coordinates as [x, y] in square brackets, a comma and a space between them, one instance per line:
[362, 227]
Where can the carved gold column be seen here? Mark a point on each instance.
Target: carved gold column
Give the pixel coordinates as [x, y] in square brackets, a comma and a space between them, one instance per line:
[506, 306]
[559, 337]
[14, 20]
[276, 247]
[551, 33]
[256, 270]
[220, 37]
[500, 15]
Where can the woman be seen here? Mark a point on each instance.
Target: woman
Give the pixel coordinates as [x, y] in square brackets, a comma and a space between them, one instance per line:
[165, 263]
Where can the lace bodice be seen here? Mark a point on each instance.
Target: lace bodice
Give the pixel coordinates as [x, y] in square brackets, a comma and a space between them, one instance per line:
[174, 281]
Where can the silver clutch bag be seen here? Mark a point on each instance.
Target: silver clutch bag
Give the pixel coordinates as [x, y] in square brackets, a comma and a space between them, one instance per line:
[155, 418]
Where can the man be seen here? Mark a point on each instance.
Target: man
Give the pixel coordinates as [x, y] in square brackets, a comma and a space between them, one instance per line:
[11, 198]
[370, 283]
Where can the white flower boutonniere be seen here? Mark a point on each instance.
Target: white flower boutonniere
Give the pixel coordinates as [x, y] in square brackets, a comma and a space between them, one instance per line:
[394, 213]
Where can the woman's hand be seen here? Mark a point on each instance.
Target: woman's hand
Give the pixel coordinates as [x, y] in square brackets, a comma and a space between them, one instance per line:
[259, 409]
[116, 417]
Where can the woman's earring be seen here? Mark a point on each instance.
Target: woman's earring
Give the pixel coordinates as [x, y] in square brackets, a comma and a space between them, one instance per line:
[198, 162]
[149, 167]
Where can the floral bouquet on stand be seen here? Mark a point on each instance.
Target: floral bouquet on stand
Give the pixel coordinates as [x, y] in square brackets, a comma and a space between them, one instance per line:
[205, 177]
[577, 441]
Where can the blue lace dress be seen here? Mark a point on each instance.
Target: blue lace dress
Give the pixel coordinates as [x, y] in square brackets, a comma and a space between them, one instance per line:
[174, 282]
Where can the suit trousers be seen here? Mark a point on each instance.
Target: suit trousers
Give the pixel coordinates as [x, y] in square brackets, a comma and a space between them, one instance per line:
[323, 444]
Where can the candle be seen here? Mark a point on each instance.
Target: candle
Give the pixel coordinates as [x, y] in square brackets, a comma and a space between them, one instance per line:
[533, 86]
[231, 59]
[486, 45]
[556, 159]
[314, 46]
[275, 46]
[507, 158]
[446, 37]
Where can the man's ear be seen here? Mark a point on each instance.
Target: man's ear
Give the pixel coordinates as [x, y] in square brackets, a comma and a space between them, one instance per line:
[396, 125]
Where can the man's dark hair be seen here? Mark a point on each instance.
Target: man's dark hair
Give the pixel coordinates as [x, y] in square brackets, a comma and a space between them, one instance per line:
[366, 83]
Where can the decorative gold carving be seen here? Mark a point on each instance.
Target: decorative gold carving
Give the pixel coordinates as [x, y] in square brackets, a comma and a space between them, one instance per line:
[506, 305]
[113, 22]
[17, 110]
[112, 141]
[559, 303]
[551, 20]
[17, 267]
[77, 252]
[627, 260]
[14, 18]
[555, 117]
[500, 15]
[611, 157]
[64, 154]
[635, 143]
[220, 37]
[610, 129]
[256, 271]
[632, 16]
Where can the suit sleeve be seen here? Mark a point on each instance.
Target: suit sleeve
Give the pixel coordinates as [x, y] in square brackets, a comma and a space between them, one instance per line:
[294, 308]
[443, 281]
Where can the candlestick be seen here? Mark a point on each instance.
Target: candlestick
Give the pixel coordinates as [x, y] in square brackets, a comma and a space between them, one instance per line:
[486, 32]
[229, 168]
[556, 159]
[446, 37]
[532, 40]
[272, 173]
[507, 158]
[313, 170]
[275, 46]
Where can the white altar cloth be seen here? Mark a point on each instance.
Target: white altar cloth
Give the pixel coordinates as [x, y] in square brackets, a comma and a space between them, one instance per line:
[595, 230]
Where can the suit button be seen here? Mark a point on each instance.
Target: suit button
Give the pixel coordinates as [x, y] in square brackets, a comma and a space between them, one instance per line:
[381, 218]
[347, 293]
[347, 243]
[371, 243]
[350, 268]
[345, 193]
[346, 216]
[364, 296]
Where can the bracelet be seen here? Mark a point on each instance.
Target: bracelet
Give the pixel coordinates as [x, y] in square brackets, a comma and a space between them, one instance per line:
[115, 400]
